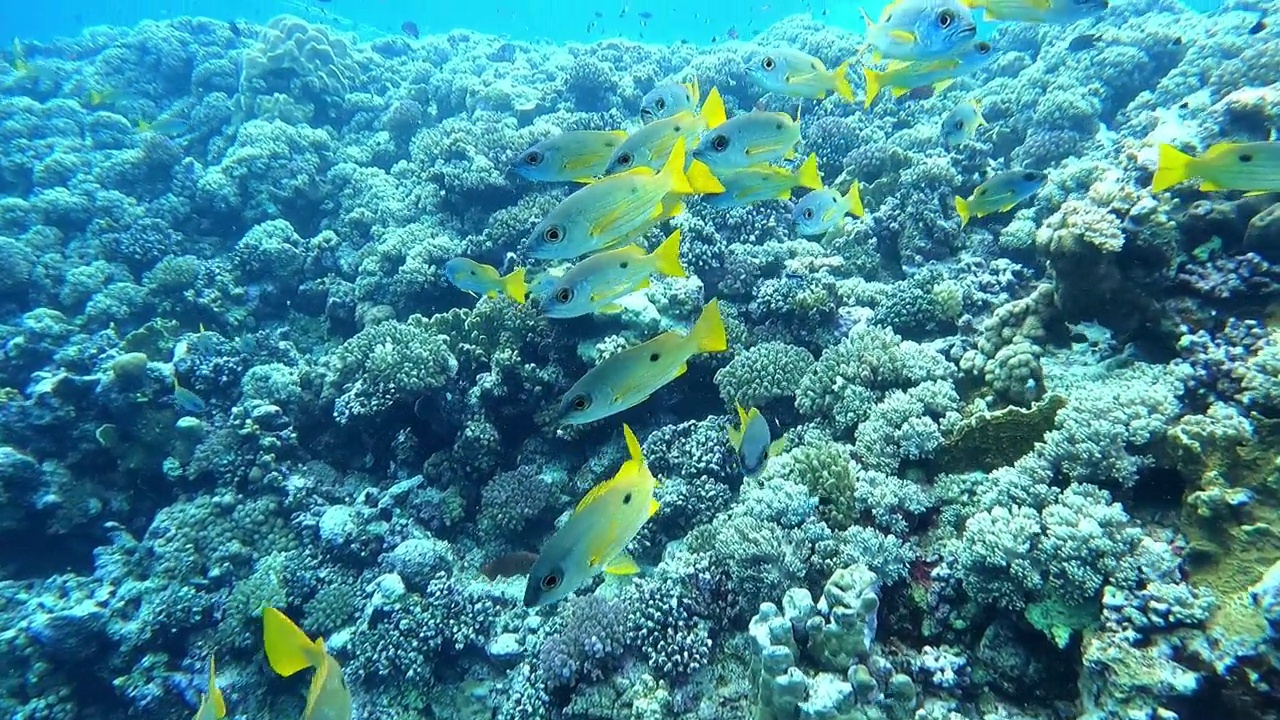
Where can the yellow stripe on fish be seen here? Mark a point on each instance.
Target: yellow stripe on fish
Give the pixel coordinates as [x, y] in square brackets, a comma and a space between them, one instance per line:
[651, 145]
[480, 279]
[593, 284]
[797, 74]
[1000, 193]
[765, 182]
[1251, 167]
[574, 156]
[595, 537]
[920, 29]
[753, 138]
[619, 208]
[628, 378]
[1038, 11]
[903, 77]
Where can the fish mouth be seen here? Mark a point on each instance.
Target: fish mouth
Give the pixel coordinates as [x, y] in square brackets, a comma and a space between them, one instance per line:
[966, 32]
[647, 115]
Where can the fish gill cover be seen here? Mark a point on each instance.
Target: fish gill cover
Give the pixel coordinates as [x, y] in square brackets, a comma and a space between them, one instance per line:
[1022, 399]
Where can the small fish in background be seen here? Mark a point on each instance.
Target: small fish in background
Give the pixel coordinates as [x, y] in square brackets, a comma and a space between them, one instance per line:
[645, 15]
[1056, 12]
[731, 33]
[99, 98]
[619, 208]
[574, 156]
[595, 537]
[167, 125]
[290, 650]
[480, 279]
[1083, 41]
[753, 441]
[1000, 193]
[668, 99]
[186, 400]
[752, 138]
[512, 564]
[901, 78]
[1258, 27]
[212, 705]
[593, 284]
[797, 74]
[234, 27]
[1253, 167]
[626, 379]
[920, 29]
[410, 28]
[651, 145]
[765, 182]
[962, 123]
[821, 210]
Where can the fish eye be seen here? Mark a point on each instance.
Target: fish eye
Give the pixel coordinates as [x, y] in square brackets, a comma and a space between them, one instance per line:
[808, 213]
[552, 234]
[564, 295]
[945, 18]
[625, 158]
[768, 63]
[533, 158]
[720, 142]
[581, 402]
[550, 582]
[958, 124]
[982, 46]
[660, 104]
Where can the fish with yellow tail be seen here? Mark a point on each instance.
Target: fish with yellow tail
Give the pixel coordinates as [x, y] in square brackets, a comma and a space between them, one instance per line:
[593, 284]
[290, 650]
[628, 378]
[595, 537]
[212, 706]
[752, 138]
[619, 208]
[1058, 12]
[765, 182]
[920, 29]
[1252, 167]
[800, 75]
[821, 210]
[669, 99]
[753, 441]
[901, 77]
[962, 123]
[574, 156]
[1000, 193]
[651, 145]
[480, 279]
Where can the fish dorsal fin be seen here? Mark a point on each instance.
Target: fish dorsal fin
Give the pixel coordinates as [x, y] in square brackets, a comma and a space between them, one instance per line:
[695, 93]
[713, 112]
[632, 465]
[633, 445]
[594, 494]
[743, 416]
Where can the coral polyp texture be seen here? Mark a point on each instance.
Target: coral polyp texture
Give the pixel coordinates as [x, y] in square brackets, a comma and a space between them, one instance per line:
[368, 334]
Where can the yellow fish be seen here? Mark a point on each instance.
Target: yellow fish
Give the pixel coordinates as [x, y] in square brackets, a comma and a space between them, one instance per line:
[651, 145]
[1038, 11]
[821, 210]
[920, 29]
[797, 74]
[628, 378]
[212, 706]
[999, 193]
[290, 650]
[574, 156]
[480, 279]
[162, 126]
[619, 208]
[594, 283]
[1253, 167]
[903, 77]
[765, 182]
[752, 440]
[98, 98]
[752, 138]
[596, 535]
[669, 98]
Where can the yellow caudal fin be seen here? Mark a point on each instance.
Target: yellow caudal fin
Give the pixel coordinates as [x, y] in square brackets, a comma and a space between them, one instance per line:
[673, 170]
[288, 648]
[214, 694]
[1172, 167]
[708, 333]
[843, 88]
[712, 112]
[962, 207]
[666, 258]
[807, 175]
[875, 81]
[702, 180]
[633, 445]
[853, 199]
[515, 286]
[623, 564]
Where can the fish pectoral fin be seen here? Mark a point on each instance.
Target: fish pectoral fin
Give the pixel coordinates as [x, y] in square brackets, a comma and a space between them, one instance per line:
[622, 564]
[610, 309]
[902, 36]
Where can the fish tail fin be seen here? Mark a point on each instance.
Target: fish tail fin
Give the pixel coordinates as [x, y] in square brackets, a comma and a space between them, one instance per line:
[713, 113]
[666, 258]
[288, 648]
[1172, 167]
[807, 175]
[875, 82]
[962, 207]
[514, 285]
[702, 180]
[854, 199]
[633, 445]
[708, 333]
[843, 88]
[673, 170]
[215, 695]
